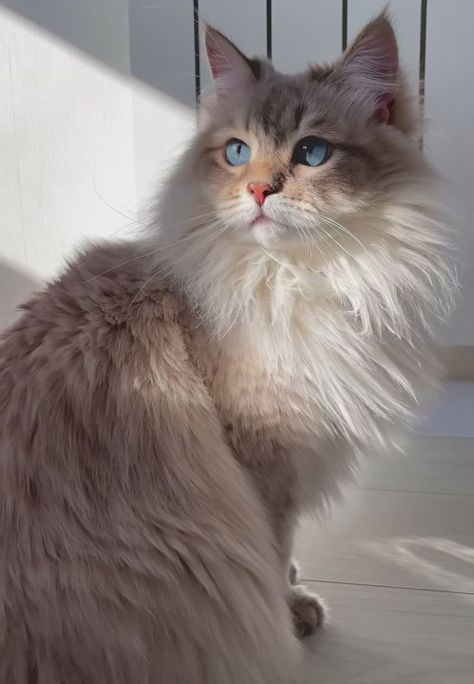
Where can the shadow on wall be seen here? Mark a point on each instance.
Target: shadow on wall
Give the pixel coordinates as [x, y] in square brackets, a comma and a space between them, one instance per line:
[15, 287]
[136, 38]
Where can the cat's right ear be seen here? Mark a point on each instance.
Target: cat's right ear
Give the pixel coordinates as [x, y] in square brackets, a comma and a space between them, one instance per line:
[230, 69]
[370, 68]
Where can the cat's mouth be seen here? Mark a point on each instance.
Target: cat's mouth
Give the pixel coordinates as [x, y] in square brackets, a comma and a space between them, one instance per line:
[261, 220]
[264, 229]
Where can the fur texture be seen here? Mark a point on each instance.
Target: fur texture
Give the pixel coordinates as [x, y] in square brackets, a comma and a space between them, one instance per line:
[169, 407]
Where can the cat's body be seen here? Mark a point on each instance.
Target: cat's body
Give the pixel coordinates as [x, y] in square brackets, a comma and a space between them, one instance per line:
[170, 407]
[128, 531]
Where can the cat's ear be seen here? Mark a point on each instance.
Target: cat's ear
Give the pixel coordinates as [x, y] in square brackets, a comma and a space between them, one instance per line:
[230, 68]
[370, 68]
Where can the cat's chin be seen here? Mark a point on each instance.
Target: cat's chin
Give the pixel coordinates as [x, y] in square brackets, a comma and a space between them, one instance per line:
[263, 232]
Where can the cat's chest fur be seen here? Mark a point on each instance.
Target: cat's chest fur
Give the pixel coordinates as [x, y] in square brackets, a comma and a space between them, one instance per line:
[302, 381]
[273, 414]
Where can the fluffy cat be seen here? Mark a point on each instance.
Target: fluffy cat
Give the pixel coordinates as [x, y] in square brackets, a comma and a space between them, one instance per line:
[170, 406]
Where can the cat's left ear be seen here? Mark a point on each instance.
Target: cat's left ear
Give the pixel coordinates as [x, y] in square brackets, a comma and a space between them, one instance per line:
[370, 68]
[230, 68]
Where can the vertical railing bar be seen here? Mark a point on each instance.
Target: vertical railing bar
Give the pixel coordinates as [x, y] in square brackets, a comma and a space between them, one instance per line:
[269, 29]
[422, 64]
[344, 23]
[197, 51]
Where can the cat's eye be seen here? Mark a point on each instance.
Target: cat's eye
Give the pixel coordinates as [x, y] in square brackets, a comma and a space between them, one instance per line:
[311, 151]
[237, 152]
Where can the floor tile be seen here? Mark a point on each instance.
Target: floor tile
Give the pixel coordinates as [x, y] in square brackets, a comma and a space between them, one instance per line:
[390, 636]
[408, 523]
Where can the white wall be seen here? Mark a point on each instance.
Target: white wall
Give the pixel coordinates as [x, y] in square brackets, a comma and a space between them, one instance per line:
[98, 96]
[66, 138]
[82, 129]
[450, 133]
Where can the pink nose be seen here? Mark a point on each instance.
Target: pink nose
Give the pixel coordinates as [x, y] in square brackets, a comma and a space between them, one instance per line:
[260, 191]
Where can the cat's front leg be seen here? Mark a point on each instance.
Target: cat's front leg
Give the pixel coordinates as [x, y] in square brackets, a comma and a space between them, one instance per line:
[294, 572]
[309, 610]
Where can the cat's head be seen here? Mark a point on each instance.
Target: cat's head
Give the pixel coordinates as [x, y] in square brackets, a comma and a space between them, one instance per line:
[279, 160]
[280, 156]
[321, 169]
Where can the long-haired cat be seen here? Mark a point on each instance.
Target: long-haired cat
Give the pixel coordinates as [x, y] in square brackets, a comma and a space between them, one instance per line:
[169, 407]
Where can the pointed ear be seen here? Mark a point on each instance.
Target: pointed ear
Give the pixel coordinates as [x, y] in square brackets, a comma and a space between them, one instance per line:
[229, 67]
[370, 67]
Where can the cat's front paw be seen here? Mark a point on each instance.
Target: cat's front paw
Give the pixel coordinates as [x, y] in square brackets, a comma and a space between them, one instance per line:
[309, 610]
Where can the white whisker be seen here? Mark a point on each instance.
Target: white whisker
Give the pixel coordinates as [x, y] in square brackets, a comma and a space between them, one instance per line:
[162, 247]
[172, 267]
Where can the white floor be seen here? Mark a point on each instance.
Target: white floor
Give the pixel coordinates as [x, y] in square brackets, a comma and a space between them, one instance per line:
[395, 562]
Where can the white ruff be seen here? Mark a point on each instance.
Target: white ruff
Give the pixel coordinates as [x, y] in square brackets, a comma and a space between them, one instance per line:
[353, 332]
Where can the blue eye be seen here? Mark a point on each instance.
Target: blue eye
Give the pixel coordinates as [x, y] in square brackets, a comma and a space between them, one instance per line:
[311, 151]
[237, 152]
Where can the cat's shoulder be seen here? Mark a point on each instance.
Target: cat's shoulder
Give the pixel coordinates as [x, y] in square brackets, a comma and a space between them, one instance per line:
[108, 291]
[122, 282]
